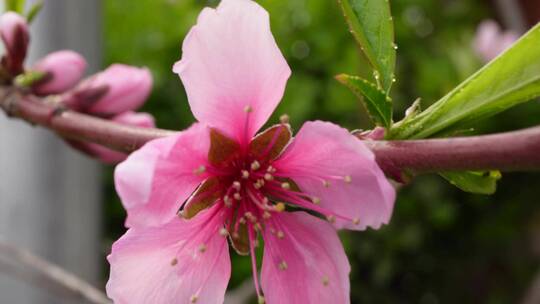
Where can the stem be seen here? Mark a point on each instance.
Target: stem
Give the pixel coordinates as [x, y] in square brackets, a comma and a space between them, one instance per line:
[40, 273]
[510, 151]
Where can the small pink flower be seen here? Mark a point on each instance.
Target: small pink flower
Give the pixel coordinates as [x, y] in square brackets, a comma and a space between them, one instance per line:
[117, 89]
[63, 70]
[108, 156]
[230, 183]
[490, 40]
[15, 35]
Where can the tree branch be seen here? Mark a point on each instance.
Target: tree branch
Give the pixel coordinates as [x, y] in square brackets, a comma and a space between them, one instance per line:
[42, 274]
[511, 151]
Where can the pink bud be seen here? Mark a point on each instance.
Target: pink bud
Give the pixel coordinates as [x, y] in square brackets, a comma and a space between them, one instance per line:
[63, 69]
[490, 40]
[117, 89]
[14, 34]
[109, 156]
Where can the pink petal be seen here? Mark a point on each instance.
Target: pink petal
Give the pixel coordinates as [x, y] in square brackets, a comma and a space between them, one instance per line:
[357, 188]
[307, 265]
[230, 62]
[175, 263]
[109, 156]
[63, 68]
[155, 180]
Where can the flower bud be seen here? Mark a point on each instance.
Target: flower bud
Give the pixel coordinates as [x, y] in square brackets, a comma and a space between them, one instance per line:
[15, 35]
[490, 40]
[107, 155]
[117, 89]
[62, 69]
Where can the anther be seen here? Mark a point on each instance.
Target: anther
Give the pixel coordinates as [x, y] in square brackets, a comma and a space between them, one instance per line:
[255, 165]
[200, 170]
[326, 183]
[258, 185]
[248, 109]
[235, 235]
[280, 207]
[286, 186]
[223, 232]
[194, 299]
[237, 196]
[267, 215]
[284, 119]
[236, 185]
[316, 200]
[331, 219]
[356, 221]
[325, 281]
[227, 201]
[268, 177]
[270, 169]
[245, 174]
[347, 179]
[202, 248]
[283, 265]
[174, 262]
[242, 220]
[280, 234]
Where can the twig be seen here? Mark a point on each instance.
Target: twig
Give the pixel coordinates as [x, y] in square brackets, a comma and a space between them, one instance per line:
[511, 151]
[42, 274]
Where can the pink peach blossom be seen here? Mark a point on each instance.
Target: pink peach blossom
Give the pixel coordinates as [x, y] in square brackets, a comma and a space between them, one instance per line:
[62, 69]
[108, 156]
[117, 89]
[15, 35]
[228, 182]
[490, 40]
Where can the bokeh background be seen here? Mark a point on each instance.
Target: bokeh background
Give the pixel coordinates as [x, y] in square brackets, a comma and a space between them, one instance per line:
[442, 245]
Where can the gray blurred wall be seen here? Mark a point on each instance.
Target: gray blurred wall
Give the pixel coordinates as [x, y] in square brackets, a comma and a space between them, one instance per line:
[50, 201]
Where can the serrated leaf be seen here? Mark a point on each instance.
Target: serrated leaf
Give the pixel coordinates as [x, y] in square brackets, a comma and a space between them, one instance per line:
[511, 79]
[474, 181]
[371, 24]
[378, 105]
[15, 5]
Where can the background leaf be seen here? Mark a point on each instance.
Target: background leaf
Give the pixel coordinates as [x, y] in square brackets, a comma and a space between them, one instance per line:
[15, 5]
[372, 26]
[474, 181]
[512, 78]
[378, 105]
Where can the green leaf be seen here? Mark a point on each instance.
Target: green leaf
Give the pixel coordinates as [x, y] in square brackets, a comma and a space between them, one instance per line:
[34, 11]
[474, 181]
[511, 79]
[378, 105]
[371, 24]
[15, 5]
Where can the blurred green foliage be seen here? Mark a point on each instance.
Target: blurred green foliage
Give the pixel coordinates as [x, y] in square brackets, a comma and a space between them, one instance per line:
[442, 245]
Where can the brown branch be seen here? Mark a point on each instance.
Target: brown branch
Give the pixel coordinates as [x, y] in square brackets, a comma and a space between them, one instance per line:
[511, 151]
[42, 274]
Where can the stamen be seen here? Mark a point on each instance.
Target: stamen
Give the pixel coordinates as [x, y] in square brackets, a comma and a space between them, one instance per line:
[280, 207]
[257, 185]
[257, 227]
[331, 219]
[326, 184]
[271, 169]
[227, 201]
[236, 185]
[284, 119]
[223, 232]
[242, 220]
[248, 109]
[286, 186]
[283, 265]
[245, 174]
[356, 221]
[280, 234]
[316, 200]
[267, 215]
[200, 170]
[237, 196]
[255, 165]
[347, 179]
[268, 177]
[194, 299]
[174, 262]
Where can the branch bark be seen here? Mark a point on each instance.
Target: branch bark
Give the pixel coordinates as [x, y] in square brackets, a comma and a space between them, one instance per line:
[42, 274]
[510, 151]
